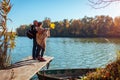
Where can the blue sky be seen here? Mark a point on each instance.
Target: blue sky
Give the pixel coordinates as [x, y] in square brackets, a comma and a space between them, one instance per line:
[25, 11]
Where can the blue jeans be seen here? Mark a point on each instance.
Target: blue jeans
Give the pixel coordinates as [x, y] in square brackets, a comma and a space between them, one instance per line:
[34, 50]
[40, 51]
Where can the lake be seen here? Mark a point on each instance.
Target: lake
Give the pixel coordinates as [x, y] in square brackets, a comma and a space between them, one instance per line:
[72, 52]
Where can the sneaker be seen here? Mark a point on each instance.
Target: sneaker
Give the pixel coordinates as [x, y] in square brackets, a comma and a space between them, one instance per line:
[41, 59]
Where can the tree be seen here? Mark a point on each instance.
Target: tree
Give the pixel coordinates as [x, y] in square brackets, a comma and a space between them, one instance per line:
[101, 3]
[46, 22]
[98, 26]
[66, 23]
[116, 28]
[75, 27]
[117, 21]
[21, 31]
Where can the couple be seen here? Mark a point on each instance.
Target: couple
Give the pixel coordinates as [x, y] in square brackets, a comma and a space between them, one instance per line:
[39, 40]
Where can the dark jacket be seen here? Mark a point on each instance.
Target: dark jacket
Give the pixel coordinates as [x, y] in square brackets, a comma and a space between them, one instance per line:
[34, 31]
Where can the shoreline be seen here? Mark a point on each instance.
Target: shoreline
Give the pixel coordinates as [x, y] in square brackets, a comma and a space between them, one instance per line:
[74, 37]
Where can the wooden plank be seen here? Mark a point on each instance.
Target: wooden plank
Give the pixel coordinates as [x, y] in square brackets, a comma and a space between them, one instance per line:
[24, 70]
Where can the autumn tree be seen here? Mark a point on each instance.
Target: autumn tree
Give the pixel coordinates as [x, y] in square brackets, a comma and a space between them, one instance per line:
[98, 26]
[117, 21]
[75, 27]
[22, 30]
[46, 22]
[115, 31]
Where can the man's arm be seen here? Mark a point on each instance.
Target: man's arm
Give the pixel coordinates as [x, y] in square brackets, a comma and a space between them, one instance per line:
[33, 29]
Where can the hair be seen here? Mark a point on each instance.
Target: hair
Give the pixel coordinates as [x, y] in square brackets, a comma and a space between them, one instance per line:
[35, 21]
[39, 23]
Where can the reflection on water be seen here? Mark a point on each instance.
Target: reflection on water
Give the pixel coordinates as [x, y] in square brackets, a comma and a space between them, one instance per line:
[98, 40]
[72, 52]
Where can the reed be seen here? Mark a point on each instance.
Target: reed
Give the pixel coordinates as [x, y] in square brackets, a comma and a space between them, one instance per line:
[7, 42]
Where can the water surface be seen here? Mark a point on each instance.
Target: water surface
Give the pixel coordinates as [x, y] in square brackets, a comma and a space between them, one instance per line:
[72, 52]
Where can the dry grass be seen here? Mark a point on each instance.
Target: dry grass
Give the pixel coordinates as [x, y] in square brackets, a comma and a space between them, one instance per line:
[6, 38]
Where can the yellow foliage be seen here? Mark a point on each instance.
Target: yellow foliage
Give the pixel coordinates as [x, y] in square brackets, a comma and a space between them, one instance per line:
[7, 43]
[12, 44]
[52, 26]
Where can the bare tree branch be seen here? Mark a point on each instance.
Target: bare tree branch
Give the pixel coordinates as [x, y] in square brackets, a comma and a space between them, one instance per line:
[97, 4]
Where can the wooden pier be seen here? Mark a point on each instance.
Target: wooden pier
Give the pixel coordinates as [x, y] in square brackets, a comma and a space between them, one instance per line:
[24, 69]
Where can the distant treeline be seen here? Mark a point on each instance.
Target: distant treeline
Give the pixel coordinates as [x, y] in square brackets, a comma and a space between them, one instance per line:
[98, 26]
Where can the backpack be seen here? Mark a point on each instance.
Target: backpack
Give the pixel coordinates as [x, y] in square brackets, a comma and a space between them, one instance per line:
[29, 34]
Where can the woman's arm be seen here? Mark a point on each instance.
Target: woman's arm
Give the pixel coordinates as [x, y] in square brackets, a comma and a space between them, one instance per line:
[48, 33]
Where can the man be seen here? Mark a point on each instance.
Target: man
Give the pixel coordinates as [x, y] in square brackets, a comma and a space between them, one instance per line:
[34, 50]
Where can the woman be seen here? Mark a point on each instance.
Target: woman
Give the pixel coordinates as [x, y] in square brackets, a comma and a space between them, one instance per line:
[41, 37]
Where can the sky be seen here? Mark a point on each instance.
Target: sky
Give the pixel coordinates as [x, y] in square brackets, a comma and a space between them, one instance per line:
[25, 11]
